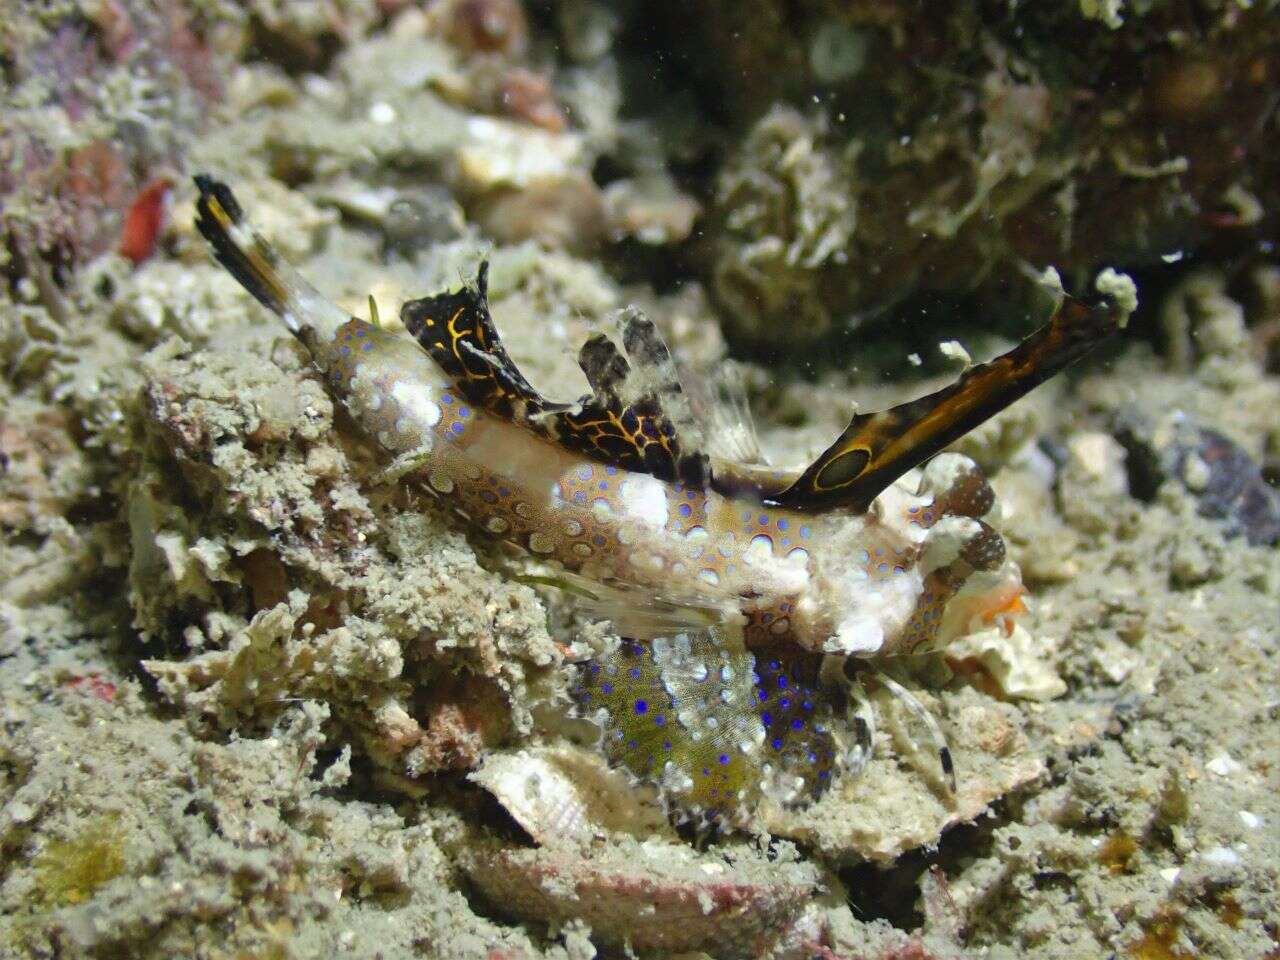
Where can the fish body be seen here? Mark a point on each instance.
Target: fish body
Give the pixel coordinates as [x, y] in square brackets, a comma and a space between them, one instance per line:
[758, 575]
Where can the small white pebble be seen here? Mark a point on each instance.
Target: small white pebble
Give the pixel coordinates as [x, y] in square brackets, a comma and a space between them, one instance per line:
[1170, 874]
[1051, 280]
[952, 350]
[1196, 474]
[1223, 765]
[20, 812]
[1250, 820]
[317, 86]
[1121, 288]
[1171, 257]
[382, 113]
[1221, 857]
[914, 359]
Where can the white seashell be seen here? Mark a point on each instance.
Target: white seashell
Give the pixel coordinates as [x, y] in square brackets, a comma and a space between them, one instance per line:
[566, 793]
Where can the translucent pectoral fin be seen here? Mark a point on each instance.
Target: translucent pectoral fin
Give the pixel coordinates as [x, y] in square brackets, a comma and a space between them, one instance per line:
[877, 448]
[637, 612]
[717, 728]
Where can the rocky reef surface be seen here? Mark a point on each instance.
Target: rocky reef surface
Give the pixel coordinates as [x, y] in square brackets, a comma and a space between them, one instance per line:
[258, 701]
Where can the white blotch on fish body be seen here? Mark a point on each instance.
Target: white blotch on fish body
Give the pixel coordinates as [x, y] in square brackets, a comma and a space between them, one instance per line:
[858, 635]
[644, 499]
[417, 401]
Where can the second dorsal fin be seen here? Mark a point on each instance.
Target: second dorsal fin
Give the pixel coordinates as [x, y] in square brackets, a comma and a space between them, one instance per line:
[623, 422]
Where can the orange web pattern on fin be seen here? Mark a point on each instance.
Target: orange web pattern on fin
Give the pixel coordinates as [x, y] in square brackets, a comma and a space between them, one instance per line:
[607, 425]
[458, 332]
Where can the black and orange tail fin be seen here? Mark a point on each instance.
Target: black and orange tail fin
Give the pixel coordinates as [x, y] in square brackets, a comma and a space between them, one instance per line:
[237, 247]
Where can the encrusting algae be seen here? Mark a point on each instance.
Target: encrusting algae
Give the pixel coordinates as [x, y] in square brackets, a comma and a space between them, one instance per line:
[69, 871]
[744, 592]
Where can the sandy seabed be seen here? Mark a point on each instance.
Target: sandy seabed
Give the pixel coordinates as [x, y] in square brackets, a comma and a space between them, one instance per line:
[246, 682]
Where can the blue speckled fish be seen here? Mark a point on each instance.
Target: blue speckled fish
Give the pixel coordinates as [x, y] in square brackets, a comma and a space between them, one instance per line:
[735, 584]
[714, 724]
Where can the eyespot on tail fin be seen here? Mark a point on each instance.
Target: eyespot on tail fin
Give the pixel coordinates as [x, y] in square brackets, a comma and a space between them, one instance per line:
[877, 448]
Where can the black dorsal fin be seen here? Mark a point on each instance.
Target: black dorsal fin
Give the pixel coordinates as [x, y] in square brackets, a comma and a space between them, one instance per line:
[877, 448]
[457, 330]
[622, 422]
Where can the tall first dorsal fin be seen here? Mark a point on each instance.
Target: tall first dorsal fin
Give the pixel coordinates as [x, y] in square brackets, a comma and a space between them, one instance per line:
[623, 422]
[877, 448]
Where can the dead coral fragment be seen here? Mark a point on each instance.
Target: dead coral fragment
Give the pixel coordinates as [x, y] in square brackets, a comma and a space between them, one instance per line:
[889, 810]
[788, 209]
[1012, 660]
[485, 26]
[464, 718]
[41, 469]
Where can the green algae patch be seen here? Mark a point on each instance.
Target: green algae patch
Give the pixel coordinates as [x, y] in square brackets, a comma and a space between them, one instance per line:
[70, 871]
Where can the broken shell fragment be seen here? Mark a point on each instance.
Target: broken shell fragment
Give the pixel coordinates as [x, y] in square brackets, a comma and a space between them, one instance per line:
[567, 794]
[651, 896]
[1012, 659]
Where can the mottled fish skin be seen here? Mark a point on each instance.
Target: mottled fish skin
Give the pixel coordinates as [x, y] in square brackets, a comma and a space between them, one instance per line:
[742, 713]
